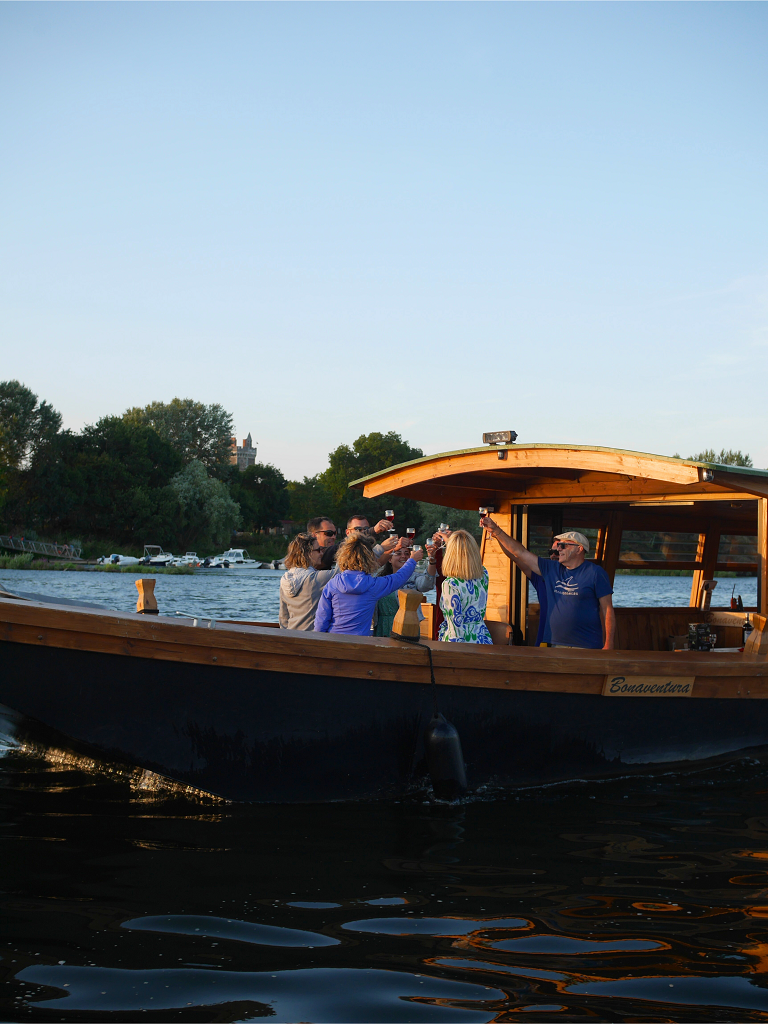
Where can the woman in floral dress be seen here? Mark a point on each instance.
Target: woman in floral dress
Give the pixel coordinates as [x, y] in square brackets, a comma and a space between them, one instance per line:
[465, 592]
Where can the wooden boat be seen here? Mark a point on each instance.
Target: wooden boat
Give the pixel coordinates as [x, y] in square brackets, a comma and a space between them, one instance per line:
[247, 711]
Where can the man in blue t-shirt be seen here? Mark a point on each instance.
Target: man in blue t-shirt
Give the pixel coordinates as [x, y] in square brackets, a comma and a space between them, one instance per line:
[579, 605]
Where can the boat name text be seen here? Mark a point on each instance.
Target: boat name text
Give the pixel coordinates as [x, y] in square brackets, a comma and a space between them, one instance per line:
[648, 686]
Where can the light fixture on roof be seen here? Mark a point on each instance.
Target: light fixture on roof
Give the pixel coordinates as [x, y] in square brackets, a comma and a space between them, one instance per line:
[500, 437]
[707, 475]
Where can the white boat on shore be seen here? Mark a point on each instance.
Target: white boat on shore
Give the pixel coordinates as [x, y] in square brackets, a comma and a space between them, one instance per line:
[191, 558]
[117, 560]
[154, 555]
[234, 558]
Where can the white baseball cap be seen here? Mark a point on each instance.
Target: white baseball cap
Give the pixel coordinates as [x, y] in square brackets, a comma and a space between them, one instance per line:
[575, 537]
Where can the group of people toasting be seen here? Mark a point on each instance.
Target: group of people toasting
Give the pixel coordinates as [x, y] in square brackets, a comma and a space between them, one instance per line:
[350, 586]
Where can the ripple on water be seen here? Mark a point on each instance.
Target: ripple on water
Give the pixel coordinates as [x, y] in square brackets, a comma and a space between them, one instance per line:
[319, 995]
[555, 944]
[431, 925]
[229, 928]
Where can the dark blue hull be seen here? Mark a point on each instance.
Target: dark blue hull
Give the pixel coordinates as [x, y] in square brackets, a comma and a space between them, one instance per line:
[284, 737]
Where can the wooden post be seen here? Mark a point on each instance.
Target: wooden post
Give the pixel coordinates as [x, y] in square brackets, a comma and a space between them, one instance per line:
[706, 557]
[611, 547]
[518, 605]
[147, 602]
[407, 620]
[427, 624]
[762, 556]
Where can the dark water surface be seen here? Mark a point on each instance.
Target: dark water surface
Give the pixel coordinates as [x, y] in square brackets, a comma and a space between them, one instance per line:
[640, 900]
[637, 900]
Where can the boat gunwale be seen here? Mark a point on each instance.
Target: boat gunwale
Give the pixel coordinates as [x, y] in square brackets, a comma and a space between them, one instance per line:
[293, 651]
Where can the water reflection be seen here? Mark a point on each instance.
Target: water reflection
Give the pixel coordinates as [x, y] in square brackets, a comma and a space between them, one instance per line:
[637, 899]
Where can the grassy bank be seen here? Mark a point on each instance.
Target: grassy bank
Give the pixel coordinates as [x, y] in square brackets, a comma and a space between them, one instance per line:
[30, 562]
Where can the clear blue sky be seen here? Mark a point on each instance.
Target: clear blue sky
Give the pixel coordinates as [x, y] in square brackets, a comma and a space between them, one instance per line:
[433, 218]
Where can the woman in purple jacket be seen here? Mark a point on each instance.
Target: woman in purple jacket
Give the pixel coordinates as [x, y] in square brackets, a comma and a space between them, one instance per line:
[348, 600]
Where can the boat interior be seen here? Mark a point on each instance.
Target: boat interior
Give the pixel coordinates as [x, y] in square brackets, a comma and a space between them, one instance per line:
[640, 512]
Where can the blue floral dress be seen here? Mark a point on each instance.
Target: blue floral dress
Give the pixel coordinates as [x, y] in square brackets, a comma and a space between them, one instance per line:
[463, 603]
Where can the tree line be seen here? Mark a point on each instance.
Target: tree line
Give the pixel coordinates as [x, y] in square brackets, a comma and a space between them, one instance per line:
[163, 474]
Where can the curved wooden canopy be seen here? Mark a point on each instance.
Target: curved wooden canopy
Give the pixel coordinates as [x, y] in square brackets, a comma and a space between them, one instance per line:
[503, 475]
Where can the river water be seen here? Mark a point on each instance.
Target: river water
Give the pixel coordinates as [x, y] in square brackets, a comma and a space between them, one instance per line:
[629, 900]
[253, 594]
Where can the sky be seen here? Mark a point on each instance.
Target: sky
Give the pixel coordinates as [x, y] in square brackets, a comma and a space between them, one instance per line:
[433, 218]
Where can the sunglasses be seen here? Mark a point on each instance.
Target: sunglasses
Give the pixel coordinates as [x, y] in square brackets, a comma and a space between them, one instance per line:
[327, 533]
[563, 544]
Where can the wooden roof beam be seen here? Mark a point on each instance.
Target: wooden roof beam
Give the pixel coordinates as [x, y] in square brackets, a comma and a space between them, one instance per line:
[533, 457]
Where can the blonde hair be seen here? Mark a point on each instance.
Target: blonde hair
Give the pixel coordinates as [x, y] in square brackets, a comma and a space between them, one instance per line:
[462, 557]
[299, 551]
[355, 553]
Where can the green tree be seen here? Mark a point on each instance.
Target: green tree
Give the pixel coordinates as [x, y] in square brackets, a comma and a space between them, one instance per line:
[25, 423]
[110, 481]
[457, 519]
[727, 457]
[198, 432]
[370, 453]
[261, 492]
[208, 513]
[309, 498]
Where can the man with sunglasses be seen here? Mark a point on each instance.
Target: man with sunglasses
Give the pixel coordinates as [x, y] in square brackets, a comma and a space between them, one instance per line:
[579, 602]
[324, 530]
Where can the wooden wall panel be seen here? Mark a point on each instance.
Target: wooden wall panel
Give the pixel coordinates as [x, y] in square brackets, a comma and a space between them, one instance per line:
[499, 568]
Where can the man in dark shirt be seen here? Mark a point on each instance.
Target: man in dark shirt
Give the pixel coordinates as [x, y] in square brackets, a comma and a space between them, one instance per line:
[579, 592]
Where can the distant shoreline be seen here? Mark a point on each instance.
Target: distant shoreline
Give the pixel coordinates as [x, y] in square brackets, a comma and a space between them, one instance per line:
[41, 565]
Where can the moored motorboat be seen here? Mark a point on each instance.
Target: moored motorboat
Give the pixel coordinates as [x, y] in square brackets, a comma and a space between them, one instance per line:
[117, 560]
[155, 556]
[234, 558]
[188, 560]
[247, 711]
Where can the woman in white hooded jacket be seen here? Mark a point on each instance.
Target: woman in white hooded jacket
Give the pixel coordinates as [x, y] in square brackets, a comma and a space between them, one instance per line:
[302, 584]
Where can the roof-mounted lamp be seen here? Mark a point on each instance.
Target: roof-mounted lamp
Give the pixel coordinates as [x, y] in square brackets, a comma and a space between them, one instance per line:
[500, 437]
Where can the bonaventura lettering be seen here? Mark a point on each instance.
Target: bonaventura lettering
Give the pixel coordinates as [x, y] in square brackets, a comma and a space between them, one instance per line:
[647, 686]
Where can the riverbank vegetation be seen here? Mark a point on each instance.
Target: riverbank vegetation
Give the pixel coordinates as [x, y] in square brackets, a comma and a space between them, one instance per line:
[163, 474]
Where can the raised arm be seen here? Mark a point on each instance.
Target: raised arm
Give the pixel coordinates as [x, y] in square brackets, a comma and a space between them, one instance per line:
[527, 561]
[384, 585]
